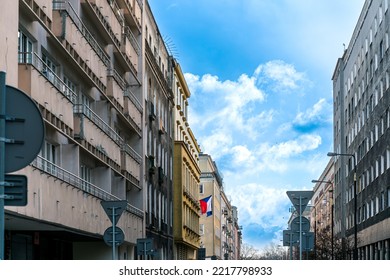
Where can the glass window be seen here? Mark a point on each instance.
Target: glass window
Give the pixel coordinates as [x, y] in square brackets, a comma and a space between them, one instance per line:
[25, 48]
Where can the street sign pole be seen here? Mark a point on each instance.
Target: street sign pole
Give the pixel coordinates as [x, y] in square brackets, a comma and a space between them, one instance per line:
[113, 234]
[2, 161]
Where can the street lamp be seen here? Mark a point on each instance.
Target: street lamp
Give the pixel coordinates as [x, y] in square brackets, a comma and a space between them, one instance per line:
[331, 154]
[332, 209]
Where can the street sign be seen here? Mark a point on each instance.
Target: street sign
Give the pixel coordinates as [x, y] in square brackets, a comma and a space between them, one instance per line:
[114, 208]
[308, 241]
[290, 238]
[145, 247]
[305, 224]
[15, 190]
[300, 199]
[24, 130]
[108, 236]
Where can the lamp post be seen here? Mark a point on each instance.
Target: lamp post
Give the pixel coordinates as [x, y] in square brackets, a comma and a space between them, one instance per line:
[331, 154]
[331, 214]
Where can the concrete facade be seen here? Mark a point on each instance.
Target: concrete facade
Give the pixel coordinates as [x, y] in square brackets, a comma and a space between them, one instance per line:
[361, 83]
[158, 139]
[81, 63]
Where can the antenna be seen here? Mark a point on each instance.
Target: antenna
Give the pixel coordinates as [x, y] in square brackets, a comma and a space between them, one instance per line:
[171, 47]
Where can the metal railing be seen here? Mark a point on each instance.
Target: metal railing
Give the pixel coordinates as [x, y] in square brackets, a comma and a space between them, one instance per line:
[128, 93]
[92, 116]
[34, 60]
[133, 41]
[132, 153]
[70, 178]
[68, 8]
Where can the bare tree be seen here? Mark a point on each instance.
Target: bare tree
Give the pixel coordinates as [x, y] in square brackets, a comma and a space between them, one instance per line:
[328, 249]
[273, 252]
[248, 252]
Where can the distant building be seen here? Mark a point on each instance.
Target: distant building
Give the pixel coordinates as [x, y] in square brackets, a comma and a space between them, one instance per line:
[322, 214]
[186, 174]
[361, 83]
[210, 226]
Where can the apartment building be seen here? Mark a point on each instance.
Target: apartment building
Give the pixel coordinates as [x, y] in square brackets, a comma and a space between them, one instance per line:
[158, 140]
[227, 232]
[210, 227]
[361, 82]
[186, 173]
[236, 235]
[322, 214]
[81, 62]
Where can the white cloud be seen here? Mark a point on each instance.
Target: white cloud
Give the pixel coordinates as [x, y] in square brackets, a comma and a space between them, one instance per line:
[314, 113]
[292, 147]
[283, 75]
[260, 204]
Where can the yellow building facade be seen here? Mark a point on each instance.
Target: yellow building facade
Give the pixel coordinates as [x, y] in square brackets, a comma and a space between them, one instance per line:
[186, 175]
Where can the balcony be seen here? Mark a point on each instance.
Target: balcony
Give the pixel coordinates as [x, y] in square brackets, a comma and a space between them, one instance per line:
[132, 11]
[115, 87]
[59, 196]
[130, 49]
[42, 10]
[92, 129]
[75, 36]
[133, 109]
[110, 18]
[54, 97]
[131, 165]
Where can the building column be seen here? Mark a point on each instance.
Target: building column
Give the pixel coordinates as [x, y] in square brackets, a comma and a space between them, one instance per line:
[387, 249]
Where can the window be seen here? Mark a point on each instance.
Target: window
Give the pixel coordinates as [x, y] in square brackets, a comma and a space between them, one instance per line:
[25, 48]
[201, 229]
[70, 87]
[382, 164]
[382, 201]
[49, 67]
[388, 197]
[201, 188]
[388, 159]
[86, 175]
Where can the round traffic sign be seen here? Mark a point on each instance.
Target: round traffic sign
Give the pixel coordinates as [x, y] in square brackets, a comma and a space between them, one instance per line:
[305, 224]
[24, 130]
[108, 236]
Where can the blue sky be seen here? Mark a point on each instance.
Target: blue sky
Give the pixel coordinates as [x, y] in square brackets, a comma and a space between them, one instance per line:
[260, 74]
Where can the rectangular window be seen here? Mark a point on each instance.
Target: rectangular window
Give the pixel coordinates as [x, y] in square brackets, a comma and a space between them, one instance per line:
[388, 159]
[382, 164]
[201, 189]
[49, 68]
[201, 229]
[382, 201]
[25, 48]
[388, 197]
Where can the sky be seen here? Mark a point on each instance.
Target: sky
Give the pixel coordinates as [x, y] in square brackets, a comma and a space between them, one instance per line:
[260, 76]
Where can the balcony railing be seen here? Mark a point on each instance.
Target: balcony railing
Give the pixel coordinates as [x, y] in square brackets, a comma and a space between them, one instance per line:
[68, 177]
[92, 116]
[133, 41]
[66, 6]
[34, 60]
[131, 152]
[128, 93]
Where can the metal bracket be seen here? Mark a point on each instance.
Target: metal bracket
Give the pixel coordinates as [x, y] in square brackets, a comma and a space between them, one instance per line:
[11, 119]
[11, 141]
[6, 196]
[6, 184]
